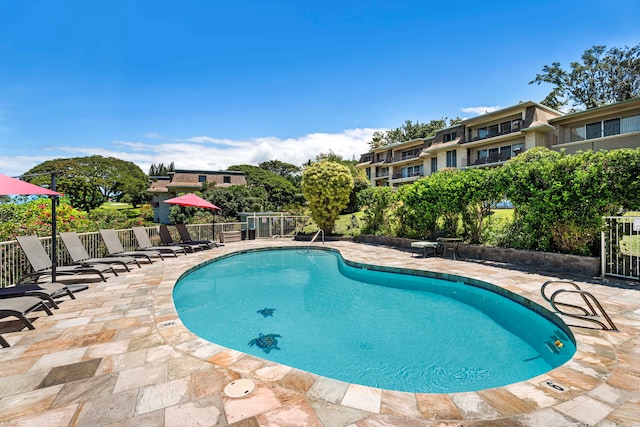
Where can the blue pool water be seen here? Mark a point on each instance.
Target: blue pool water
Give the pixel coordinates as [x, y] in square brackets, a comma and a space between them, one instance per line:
[381, 329]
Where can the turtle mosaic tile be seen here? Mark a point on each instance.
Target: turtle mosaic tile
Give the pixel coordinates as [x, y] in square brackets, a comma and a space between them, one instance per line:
[153, 371]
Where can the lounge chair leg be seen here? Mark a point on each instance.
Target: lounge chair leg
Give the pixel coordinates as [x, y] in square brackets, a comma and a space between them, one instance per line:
[46, 308]
[54, 305]
[4, 342]
[26, 321]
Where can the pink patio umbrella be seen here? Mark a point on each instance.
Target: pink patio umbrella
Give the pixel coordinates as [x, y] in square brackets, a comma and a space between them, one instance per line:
[11, 186]
[196, 202]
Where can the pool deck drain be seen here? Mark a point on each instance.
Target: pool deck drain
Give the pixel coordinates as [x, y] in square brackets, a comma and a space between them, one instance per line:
[239, 388]
[152, 371]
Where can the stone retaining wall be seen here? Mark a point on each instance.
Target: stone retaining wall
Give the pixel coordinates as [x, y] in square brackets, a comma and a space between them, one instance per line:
[531, 260]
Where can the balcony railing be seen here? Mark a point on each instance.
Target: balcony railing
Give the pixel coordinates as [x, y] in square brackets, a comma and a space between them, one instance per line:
[494, 158]
[401, 158]
[515, 127]
[382, 174]
[400, 175]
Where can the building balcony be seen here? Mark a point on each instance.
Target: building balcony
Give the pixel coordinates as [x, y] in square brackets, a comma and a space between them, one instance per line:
[367, 158]
[516, 126]
[493, 159]
[400, 175]
[398, 159]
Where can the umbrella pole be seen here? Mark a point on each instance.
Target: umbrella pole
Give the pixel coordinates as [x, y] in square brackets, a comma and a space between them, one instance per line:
[213, 225]
[54, 243]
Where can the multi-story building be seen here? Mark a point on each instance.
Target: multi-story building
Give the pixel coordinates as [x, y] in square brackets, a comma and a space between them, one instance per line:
[186, 181]
[394, 164]
[491, 139]
[603, 128]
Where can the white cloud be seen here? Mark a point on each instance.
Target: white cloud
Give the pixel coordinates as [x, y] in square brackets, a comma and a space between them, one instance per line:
[153, 135]
[480, 110]
[209, 153]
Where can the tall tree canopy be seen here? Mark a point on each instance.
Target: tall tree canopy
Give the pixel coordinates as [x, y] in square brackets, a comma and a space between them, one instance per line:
[291, 173]
[409, 131]
[327, 186]
[603, 77]
[281, 192]
[360, 181]
[161, 169]
[91, 181]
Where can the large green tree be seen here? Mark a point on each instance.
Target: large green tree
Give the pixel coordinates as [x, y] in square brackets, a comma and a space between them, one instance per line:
[288, 171]
[360, 181]
[282, 193]
[326, 186]
[91, 181]
[238, 198]
[602, 77]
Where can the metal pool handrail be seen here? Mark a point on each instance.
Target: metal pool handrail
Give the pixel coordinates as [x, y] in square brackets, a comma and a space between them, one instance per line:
[589, 300]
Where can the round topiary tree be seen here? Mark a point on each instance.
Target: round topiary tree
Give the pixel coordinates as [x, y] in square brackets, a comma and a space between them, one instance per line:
[326, 186]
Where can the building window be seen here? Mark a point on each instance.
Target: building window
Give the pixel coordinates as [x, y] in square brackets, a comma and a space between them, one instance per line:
[226, 180]
[505, 127]
[482, 133]
[494, 155]
[577, 134]
[611, 127]
[517, 148]
[493, 130]
[368, 170]
[450, 136]
[202, 178]
[451, 159]
[631, 124]
[410, 154]
[482, 154]
[505, 153]
[411, 171]
[434, 165]
[594, 130]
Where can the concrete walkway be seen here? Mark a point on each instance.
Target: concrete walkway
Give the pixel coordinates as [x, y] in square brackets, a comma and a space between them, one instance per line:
[118, 355]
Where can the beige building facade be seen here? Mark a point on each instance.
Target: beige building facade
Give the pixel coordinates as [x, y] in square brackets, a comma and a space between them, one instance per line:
[603, 128]
[489, 140]
[183, 181]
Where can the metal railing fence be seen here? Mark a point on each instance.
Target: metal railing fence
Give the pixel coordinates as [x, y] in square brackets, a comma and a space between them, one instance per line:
[621, 247]
[14, 265]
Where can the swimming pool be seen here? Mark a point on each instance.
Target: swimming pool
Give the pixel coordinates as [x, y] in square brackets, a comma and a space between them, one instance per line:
[408, 332]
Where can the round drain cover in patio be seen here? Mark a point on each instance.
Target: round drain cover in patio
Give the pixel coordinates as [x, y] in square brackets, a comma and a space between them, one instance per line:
[239, 388]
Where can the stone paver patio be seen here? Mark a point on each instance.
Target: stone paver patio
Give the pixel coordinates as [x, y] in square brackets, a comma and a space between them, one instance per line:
[118, 355]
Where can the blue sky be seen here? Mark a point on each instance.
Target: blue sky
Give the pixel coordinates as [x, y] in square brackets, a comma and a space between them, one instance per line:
[208, 84]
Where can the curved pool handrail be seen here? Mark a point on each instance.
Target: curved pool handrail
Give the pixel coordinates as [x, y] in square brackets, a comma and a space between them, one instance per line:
[321, 231]
[590, 312]
[589, 317]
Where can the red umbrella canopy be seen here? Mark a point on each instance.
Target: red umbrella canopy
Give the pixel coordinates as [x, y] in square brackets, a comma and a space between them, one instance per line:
[11, 186]
[191, 200]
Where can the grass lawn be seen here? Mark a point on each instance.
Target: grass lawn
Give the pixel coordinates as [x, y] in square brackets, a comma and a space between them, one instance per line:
[342, 225]
[125, 207]
[502, 214]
